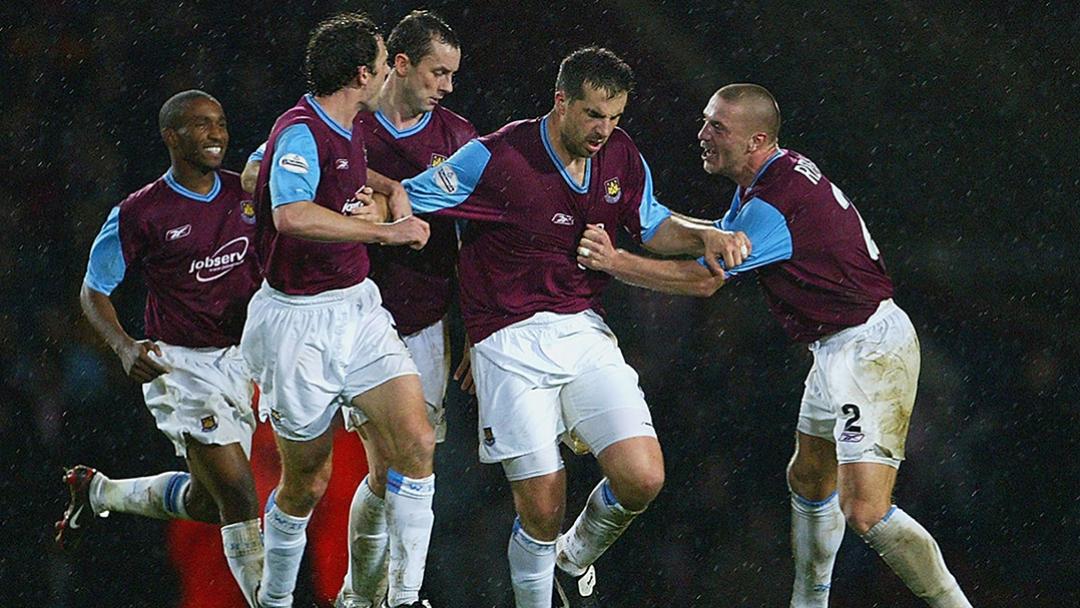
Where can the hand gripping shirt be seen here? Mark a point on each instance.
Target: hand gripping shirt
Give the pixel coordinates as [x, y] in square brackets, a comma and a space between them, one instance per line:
[526, 216]
[196, 254]
[309, 157]
[812, 253]
[416, 285]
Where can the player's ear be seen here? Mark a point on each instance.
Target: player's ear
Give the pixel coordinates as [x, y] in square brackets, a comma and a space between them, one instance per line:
[756, 141]
[168, 135]
[560, 102]
[401, 64]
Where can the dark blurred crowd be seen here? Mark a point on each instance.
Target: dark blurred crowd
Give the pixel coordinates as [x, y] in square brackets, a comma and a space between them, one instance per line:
[949, 127]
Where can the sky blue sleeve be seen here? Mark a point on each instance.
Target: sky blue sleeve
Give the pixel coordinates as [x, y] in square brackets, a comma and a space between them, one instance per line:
[767, 229]
[257, 155]
[451, 182]
[106, 267]
[294, 176]
[651, 211]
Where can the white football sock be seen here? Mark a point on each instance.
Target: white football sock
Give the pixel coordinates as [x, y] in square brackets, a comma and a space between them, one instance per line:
[369, 546]
[244, 552]
[817, 528]
[160, 496]
[916, 558]
[532, 568]
[408, 519]
[285, 539]
[599, 525]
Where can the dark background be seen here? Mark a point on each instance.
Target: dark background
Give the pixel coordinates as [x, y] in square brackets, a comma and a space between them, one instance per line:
[952, 128]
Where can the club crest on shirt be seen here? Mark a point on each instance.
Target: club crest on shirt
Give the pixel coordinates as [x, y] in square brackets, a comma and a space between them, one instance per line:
[612, 191]
[247, 212]
[436, 160]
[489, 436]
[209, 423]
[178, 233]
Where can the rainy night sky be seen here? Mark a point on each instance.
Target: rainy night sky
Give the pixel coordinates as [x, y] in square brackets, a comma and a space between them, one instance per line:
[952, 128]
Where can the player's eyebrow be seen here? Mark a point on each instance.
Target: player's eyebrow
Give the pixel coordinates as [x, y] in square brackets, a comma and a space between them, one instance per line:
[598, 114]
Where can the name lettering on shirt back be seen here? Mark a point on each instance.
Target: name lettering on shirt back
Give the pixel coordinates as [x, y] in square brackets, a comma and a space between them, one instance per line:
[809, 170]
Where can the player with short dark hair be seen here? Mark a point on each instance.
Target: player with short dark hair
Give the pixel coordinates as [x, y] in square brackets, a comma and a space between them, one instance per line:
[544, 361]
[191, 235]
[316, 335]
[408, 132]
[825, 282]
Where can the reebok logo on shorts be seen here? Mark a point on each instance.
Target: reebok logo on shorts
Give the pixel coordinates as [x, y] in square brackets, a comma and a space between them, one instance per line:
[849, 437]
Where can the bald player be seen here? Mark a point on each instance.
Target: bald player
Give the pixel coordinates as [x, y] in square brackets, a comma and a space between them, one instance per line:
[825, 282]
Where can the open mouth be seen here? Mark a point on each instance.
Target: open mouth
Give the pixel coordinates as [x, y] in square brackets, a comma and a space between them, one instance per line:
[707, 152]
[214, 150]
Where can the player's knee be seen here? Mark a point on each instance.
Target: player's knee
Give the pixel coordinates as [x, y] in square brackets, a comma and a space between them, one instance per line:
[542, 521]
[861, 515]
[639, 486]
[415, 446]
[811, 480]
[302, 490]
[309, 494]
[643, 488]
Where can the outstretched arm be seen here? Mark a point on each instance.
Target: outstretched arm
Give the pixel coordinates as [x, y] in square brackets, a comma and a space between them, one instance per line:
[669, 233]
[307, 220]
[679, 234]
[681, 277]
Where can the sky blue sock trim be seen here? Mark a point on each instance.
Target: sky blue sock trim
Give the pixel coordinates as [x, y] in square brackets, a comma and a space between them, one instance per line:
[892, 510]
[174, 492]
[806, 502]
[394, 481]
[608, 495]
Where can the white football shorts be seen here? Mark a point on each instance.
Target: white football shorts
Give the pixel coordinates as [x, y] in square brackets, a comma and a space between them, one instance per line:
[312, 354]
[206, 395]
[861, 389]
[430, 350]
[548, 376]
